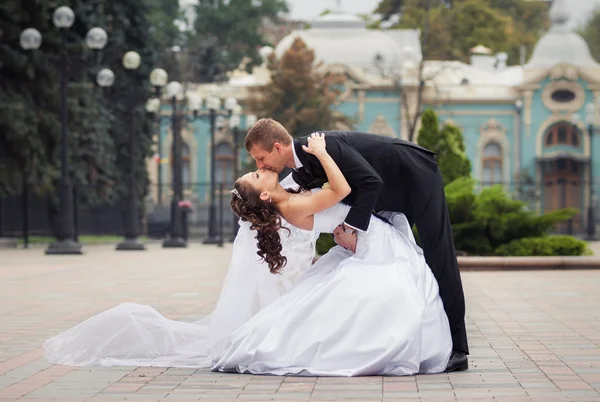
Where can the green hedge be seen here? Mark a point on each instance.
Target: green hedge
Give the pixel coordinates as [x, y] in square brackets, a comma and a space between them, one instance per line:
[544, 246]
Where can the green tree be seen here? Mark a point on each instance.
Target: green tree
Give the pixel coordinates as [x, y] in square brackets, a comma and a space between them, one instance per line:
[299, 96]
[591, 33]
[98, 120]
[448, 144]
[29, 89]
[127, 30]
[458, 25]
[164, 32]
[226, 33]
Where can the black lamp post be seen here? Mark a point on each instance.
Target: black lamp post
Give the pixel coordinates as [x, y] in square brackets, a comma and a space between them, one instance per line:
[131, 62]
[590, 116]
[30, 39]
[158, 79]
[175, 239]
[214, 108]
[63, 18]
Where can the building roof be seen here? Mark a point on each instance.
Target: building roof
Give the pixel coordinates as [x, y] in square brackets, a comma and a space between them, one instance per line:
[561, 44]
[339, 38]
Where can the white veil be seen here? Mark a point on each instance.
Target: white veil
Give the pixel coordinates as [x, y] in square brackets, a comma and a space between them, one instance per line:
[137, 335]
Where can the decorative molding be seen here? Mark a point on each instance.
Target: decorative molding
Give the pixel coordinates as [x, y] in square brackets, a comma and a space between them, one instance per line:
[381, 126]
[571, 106]
[563, 71]
[382, 100]
[475, 112]
[529, 87]
[493, 132]
[361, 96]
[224, 135]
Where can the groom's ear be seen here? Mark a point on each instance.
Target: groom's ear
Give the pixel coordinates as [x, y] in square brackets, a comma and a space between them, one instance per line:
[278, 147]
[265, 195]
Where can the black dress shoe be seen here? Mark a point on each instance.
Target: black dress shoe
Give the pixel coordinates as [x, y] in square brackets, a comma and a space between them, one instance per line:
[458, 362]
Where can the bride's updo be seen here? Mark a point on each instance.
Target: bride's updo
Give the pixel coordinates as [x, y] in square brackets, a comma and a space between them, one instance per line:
[246, 204]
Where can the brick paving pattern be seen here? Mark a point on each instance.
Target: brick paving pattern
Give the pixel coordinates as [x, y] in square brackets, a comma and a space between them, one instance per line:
[534, 336]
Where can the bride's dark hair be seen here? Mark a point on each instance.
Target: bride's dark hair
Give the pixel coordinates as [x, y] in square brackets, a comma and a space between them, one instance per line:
[246, 203]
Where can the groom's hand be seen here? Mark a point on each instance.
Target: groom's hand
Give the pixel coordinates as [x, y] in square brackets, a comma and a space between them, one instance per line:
[348, 241]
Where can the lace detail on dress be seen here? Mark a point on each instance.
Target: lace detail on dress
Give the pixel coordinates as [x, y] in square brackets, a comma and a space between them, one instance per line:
[299, 249]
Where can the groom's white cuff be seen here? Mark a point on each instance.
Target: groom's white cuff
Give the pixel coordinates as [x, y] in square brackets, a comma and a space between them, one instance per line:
[355, 228]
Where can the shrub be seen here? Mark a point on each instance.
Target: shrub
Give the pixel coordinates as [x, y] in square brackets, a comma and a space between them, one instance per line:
[481, 223]
[544, 246]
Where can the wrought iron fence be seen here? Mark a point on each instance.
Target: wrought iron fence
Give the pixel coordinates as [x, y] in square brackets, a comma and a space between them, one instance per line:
[155, 216]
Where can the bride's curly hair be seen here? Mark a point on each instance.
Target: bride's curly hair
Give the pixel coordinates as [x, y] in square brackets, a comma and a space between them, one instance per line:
[246, 204]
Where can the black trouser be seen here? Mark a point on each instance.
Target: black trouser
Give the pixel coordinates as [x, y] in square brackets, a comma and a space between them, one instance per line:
[435, 234]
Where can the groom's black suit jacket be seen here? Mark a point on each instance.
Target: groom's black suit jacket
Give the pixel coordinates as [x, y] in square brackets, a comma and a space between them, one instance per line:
[384, 173]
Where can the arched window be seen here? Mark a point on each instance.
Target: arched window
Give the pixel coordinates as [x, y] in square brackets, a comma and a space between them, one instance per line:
[224, 164]
[492, 164]
[562, 133]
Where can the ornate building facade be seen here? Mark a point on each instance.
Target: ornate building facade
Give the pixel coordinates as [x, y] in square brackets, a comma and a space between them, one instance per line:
[522, 124]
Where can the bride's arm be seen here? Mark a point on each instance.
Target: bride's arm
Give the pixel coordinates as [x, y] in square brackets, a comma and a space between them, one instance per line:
[305, 207]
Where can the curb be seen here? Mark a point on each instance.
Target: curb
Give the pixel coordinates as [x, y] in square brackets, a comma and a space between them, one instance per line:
[7, 242]
[527, 263]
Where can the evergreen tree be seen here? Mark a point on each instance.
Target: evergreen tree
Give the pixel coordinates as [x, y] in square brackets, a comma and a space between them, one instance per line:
[98, 120]
[299, 96]
[127, 26]
[228, 31]
[29, 85]
[448, 144]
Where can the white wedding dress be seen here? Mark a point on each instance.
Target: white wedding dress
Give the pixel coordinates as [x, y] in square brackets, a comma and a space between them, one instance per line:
[375, 312]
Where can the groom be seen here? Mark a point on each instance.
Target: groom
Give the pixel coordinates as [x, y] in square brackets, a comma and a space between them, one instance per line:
[385, 174]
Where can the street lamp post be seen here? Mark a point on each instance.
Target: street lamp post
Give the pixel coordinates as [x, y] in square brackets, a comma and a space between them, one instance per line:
[152, 106]
[30, 39]
[63, 19]
[131, 62]
[159, 79]
[175, 239]
[213, 104]
[590, 117]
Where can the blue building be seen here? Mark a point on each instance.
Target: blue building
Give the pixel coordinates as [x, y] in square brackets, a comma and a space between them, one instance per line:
[528, 127]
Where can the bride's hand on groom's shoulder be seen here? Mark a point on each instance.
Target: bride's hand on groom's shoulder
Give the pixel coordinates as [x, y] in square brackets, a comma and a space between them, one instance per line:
[316, 144]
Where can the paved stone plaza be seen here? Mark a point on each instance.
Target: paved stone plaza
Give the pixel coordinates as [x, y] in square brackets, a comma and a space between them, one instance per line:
[535, 336]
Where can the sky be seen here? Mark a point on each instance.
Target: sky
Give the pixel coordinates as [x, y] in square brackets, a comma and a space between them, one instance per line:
[310, 9]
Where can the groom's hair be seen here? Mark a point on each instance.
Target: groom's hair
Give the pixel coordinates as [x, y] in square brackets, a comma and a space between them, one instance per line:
[265, 133]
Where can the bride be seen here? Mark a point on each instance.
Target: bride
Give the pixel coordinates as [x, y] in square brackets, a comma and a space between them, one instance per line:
[373, 309]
